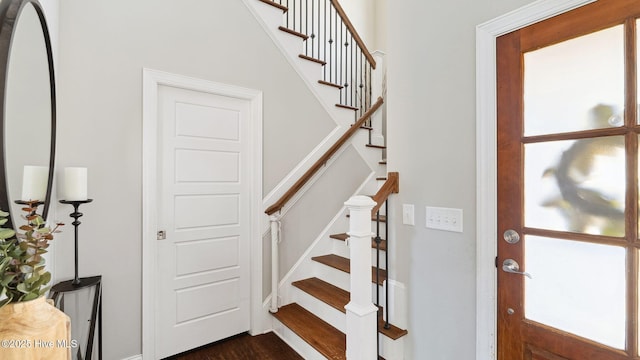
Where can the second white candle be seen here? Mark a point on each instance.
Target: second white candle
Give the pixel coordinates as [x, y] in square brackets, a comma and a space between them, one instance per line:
[75, 183]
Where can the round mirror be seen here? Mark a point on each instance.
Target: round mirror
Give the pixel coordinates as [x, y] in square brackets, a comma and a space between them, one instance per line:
[28, 108]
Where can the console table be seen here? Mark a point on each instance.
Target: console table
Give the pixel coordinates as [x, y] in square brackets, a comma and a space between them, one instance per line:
[58, 292]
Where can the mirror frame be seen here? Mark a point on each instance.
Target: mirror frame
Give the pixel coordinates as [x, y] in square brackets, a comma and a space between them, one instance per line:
[10, 11]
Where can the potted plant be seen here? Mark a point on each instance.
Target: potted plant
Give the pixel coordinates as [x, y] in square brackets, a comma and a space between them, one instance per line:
[31, 328]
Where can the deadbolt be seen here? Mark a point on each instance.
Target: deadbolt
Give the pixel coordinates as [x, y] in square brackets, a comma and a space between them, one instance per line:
[511, 236]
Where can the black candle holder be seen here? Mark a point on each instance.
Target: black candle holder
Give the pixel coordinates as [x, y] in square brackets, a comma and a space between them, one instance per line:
[76, 215]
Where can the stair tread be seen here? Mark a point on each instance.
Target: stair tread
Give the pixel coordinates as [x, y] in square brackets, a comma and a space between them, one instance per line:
[376, 146]
[323, 337]
[345, 236]
[315, 60]
[347, 107]
[393, 332]
[330, 294]
[279, 6]
[344, 264]
[383, 218]
[293, 32]
[330, 84]
[338, 299]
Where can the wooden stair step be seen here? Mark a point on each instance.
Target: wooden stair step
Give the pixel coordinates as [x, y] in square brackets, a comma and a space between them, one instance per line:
[345, 236]
[376, 146]
[344, 264]
[275, 4]
[305, 57]
[393, 332]
[338, 298]
[347, 107]
[383, 162]
[382, 178]
[293, 32]
[330, 84]
[330, 294]
[383, 218]
[323, 337]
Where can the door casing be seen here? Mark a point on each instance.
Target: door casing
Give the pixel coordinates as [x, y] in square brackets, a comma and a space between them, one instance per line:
[486, 163]
[152, 79]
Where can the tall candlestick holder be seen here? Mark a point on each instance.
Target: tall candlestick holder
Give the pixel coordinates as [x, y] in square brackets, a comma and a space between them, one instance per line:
[76, 215]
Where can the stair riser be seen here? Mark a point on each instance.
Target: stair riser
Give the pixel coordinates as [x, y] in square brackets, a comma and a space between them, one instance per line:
[391, 349]
[326, 312]
[340, 248]
[342, 280]
[332, 276]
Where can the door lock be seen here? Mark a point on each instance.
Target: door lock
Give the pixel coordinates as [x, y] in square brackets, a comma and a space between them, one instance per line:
[511, 236]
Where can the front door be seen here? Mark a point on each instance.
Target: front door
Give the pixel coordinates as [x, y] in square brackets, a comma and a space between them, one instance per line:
[568, 247]
[202, 290]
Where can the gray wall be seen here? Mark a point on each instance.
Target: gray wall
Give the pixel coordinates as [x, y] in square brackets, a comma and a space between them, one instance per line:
[431, 140]
[103, 47]
[431, 112]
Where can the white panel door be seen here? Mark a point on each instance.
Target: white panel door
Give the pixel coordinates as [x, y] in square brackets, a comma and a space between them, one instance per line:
[202, 291]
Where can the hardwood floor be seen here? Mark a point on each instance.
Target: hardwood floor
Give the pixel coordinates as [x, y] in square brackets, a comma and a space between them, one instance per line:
[243, 347]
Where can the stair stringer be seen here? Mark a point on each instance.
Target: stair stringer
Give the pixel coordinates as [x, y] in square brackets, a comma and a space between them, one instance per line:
[270, 18]
[292, 46]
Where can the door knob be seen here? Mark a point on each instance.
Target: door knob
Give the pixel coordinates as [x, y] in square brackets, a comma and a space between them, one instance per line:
[511, 266]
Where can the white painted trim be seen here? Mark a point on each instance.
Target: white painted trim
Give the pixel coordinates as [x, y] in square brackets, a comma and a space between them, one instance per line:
[135, 357]
[293, 176]
[486, 162]
[152, 79]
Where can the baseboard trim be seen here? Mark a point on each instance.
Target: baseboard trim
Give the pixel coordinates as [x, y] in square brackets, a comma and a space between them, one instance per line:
[134, 357]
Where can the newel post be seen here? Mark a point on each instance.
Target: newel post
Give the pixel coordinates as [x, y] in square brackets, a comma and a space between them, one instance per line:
[362, 314]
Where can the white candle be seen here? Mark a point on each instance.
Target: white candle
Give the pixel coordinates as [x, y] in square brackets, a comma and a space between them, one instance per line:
[34, 183]
[75, 183]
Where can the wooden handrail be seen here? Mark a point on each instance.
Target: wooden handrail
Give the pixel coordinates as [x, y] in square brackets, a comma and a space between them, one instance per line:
[391, 186]
[353, 31]
[323, 160]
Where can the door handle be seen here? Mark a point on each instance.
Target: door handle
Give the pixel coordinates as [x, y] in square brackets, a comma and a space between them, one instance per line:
[511, 266]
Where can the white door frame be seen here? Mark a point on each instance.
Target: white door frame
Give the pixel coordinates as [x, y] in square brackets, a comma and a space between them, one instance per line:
[486, 163]
[152, 79]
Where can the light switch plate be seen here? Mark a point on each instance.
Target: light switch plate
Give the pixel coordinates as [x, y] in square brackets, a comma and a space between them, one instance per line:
[444, 219]
[408, 217]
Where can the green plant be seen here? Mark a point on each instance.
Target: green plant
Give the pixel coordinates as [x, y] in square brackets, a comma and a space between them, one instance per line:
[22, 272]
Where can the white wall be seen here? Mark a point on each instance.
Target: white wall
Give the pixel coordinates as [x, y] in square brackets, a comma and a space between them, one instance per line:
[431, 112]
[369, 18]
[431, 141]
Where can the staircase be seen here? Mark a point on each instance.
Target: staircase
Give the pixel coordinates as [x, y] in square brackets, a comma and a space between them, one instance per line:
[314, 318]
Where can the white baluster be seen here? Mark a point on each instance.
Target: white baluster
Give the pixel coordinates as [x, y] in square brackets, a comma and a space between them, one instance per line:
[275, 268]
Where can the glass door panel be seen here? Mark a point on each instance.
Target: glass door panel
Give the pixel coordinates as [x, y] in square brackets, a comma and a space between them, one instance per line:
[575, 85]
[576, 185]
[577, 287]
